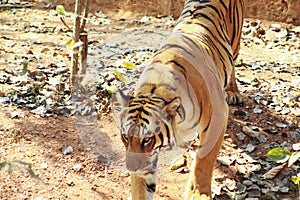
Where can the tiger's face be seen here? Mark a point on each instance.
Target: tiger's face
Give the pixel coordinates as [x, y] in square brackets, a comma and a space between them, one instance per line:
[146, 128]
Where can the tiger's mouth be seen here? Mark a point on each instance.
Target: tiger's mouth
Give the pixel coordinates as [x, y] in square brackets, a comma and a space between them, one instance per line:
[146, 172]
[149, 169]
[145, 175]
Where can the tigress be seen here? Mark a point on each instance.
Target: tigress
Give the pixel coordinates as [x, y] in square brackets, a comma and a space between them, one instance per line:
[181, 94]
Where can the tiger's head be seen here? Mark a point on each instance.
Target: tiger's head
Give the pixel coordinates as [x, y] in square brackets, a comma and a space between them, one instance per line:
[146, 128]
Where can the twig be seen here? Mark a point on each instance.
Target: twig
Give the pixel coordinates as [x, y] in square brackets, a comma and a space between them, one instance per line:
[64, 23]
[85, 15]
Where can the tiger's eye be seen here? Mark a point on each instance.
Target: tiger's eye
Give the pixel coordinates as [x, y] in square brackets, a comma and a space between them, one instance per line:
[147, 141]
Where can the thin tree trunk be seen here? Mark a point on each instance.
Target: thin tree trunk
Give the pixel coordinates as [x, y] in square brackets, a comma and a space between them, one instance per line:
[76, 35]
[83, 53]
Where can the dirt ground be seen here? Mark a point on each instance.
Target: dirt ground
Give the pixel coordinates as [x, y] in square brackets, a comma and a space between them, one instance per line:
[78, 175]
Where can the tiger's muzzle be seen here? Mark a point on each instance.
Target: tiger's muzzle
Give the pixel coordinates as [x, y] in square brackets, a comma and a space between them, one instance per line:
[141, 163]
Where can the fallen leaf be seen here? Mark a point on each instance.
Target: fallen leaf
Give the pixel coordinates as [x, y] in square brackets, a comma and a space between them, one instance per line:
[273, 172]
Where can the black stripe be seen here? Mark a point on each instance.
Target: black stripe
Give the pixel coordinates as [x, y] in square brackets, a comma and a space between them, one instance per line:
[208, 124]
[213, 44]
[145, 120]
[168, 133]
[221, 34]
[147, 112]
[182, 114]
[161, 137]
[185, 38]
[196, 123]
[151, 187]
[177, 64]
[223, 4]
[167, 46]
[199, 8]
[153, 89]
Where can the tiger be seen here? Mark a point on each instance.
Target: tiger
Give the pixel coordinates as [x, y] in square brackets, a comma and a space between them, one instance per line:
[181, 95]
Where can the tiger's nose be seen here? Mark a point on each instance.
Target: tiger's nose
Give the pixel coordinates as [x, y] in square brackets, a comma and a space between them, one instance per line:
[133, 162]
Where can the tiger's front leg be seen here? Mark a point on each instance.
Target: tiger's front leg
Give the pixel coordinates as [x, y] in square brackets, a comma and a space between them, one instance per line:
[139, 188]
[199, 183]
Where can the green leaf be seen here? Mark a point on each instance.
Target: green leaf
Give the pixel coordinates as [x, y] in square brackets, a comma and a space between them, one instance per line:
[111, 89]
[278, 154]
[60, 10]
[25, 68]
[293, 158]
[11, 168]
[70, 44]
[3, 164]
[179, 162]
[120, 76]
[129, 65]
[296, 180]
[32, 174]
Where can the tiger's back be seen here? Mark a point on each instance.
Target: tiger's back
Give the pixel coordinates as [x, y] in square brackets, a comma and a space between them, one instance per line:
[181, 95]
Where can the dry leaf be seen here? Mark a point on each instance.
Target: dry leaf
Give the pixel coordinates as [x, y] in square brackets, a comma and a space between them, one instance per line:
[273, 172]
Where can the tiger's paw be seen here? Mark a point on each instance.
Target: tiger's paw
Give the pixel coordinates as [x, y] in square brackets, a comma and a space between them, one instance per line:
[233, 98]
[195, 195]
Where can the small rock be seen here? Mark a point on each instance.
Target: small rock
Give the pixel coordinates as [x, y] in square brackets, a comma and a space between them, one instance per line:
[227, 160]
[281, 34]
[15, 114]
[257, 110]
[275, 27]
[285, 111]
[271, 130]
[241, 136]
[250, 148]
[295, 111]
[241, 188]
[44, 165]
[247, 182]
[262, 138]
[296, 146]
[67, 150]
[230, 184]
[254, 187]
[145, 20]
[275, 189]
[77, 167]
[284, 189]
[281, 125]
[295, 134]
[257, 41]
[254, 168]
[242, 169]
[251, 131]
[70, 182]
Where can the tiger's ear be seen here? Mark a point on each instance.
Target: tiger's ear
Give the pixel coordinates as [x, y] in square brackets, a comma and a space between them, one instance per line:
[172, 107]
[119, 103]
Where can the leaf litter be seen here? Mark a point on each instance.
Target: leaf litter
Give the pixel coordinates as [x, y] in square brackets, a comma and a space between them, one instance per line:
[271, 88]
